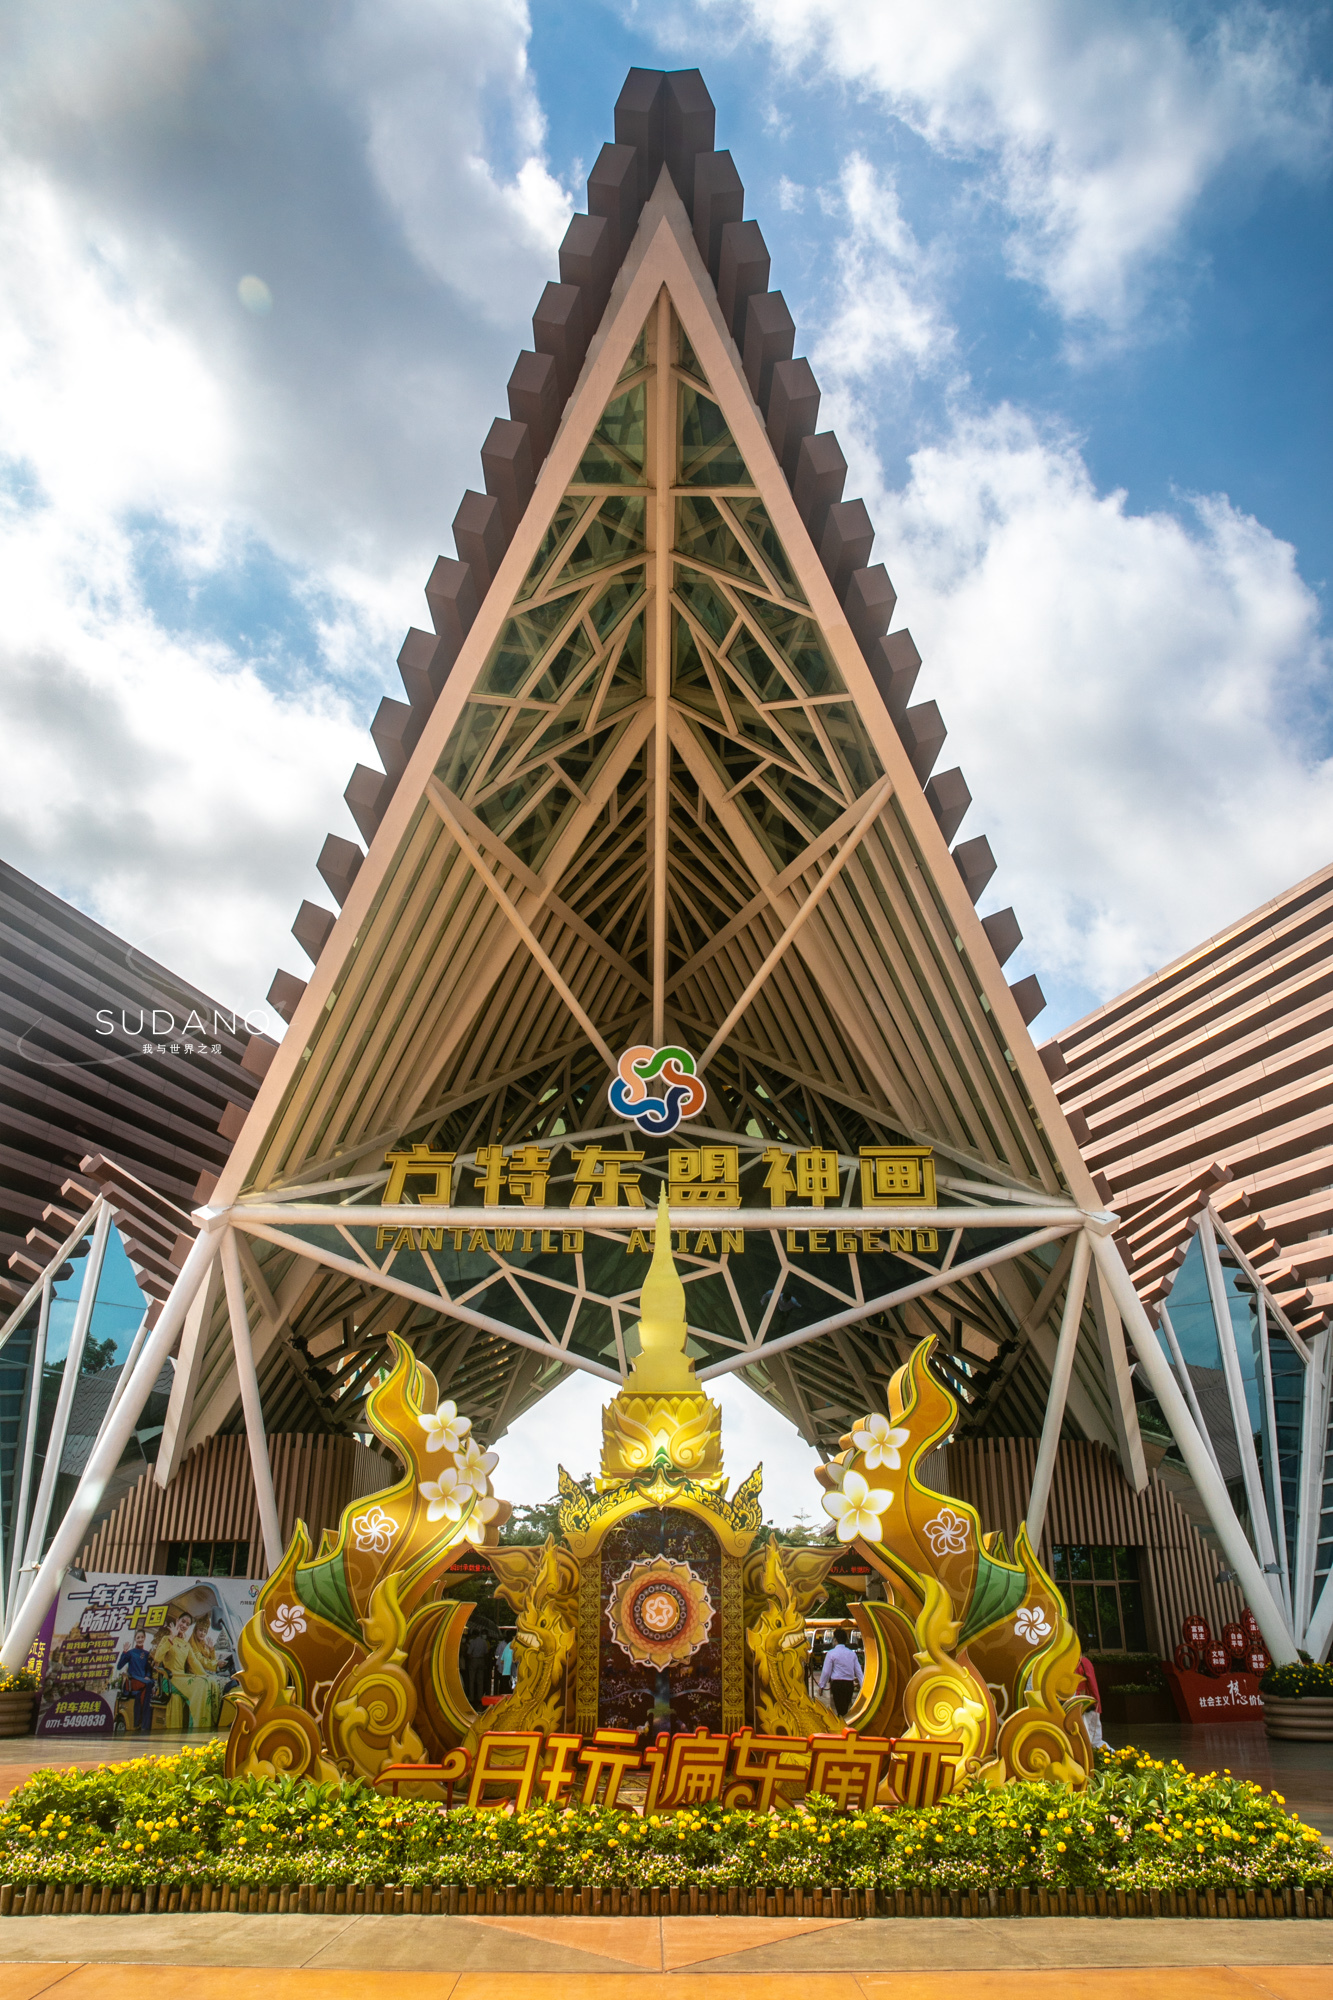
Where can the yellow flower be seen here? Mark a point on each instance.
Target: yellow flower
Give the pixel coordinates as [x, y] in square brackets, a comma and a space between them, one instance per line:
[1059, 1847]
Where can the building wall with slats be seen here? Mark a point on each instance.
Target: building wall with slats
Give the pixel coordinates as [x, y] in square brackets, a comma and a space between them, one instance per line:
[1092, 1501]
[212, 1498]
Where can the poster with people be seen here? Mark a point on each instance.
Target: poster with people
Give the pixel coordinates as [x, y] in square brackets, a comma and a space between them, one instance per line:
[142, 1655]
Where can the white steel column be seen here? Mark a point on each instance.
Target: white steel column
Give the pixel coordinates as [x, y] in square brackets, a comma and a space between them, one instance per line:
[1320, 1629]
[1310, 1500]
[1182, 1370]
[1198, 1463]
[1260, 1525]
[18, 1520]
[1070, 1321]
[250, 1403]
[127, 1366]
[76, 1235]
[70, 1536]
[189, 1360]
[69, 1382]
[1270, 1431]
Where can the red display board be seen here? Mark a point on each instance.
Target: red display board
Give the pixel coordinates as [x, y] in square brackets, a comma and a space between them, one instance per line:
[1228, 1697]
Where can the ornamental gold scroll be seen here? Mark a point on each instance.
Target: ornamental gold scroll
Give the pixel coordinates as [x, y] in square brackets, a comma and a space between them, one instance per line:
[350, 1660]
[972, 1648]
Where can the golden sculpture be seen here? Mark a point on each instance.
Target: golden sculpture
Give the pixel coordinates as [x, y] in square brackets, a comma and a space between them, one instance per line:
[971, 1647]
[662, 1418]
[326, 1685]
[659, 1608]
[778, 1643]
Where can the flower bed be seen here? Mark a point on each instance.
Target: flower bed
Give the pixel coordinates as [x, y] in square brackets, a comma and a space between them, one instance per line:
[1305, 1680]
[172, 1832]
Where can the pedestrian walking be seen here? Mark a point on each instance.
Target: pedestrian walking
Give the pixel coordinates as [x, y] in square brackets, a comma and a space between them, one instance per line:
[841, 1672]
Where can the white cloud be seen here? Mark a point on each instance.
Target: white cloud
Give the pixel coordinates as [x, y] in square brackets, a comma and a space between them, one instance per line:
[162, 785]
[216, 525]
[1137, 701]
[1100, 128]
[430, 78]
[886, 310]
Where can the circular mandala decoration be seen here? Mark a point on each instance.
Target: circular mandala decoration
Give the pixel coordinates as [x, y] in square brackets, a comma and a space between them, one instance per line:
[660, 1611]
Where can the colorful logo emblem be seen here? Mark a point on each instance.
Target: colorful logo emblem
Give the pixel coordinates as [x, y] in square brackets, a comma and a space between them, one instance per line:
[656, 1088]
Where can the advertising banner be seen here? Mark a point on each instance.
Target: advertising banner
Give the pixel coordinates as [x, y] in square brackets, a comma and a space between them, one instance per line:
[141, 1655]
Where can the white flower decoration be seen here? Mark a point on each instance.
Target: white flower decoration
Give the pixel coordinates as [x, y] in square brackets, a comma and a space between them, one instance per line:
[879, 1442]
[1032, 1625]
[445, 1430]
[374, 1531]
[477, 1465]
[858, 1508]
[448, 1495]
[287, 1621]
[477, 1522]
[947, 1533]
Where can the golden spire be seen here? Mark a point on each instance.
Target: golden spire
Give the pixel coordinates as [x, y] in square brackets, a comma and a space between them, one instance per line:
[662, 1363]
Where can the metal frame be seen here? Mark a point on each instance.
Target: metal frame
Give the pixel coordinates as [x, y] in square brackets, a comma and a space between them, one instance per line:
[1307, 1625]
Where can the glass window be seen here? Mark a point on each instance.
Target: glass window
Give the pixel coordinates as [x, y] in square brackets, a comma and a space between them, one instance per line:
[708, 452]
[1131, 1611]
[1104, 1597]
[616, 450]
[1085, 1613]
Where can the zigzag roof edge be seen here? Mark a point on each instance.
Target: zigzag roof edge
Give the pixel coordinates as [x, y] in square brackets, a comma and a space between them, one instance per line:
[663, 223]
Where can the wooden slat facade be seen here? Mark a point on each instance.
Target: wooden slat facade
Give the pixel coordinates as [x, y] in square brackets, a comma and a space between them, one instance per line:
[1224, 1058]
[1092, 1502]
[68, 1090]
[212, 1498]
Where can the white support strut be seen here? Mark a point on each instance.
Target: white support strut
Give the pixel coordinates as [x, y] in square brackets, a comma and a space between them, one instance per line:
[105, 1456]
[260, 1466]
[1161, 1380]
[1310, 1489]
[28, 1438]
[69, 1382]
[1256, 1500]
[1070, 1321]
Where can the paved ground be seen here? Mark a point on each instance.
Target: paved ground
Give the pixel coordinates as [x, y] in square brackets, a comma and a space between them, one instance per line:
[689, 1959]
[802, 1958]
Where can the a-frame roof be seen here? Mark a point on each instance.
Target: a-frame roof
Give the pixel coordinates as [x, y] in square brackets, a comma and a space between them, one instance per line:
[661, 780]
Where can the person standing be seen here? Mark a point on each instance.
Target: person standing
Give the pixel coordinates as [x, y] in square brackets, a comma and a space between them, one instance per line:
[1092, 1717]
[504, 1665]
[475, 1661]
[841, 1673]
[136, 1663]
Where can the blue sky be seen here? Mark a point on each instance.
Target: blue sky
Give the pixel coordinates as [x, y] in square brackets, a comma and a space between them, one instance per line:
[1064, 275]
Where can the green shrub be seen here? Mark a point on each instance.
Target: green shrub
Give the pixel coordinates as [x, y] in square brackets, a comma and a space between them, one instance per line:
[1141, 1825]
[1294, 1682]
